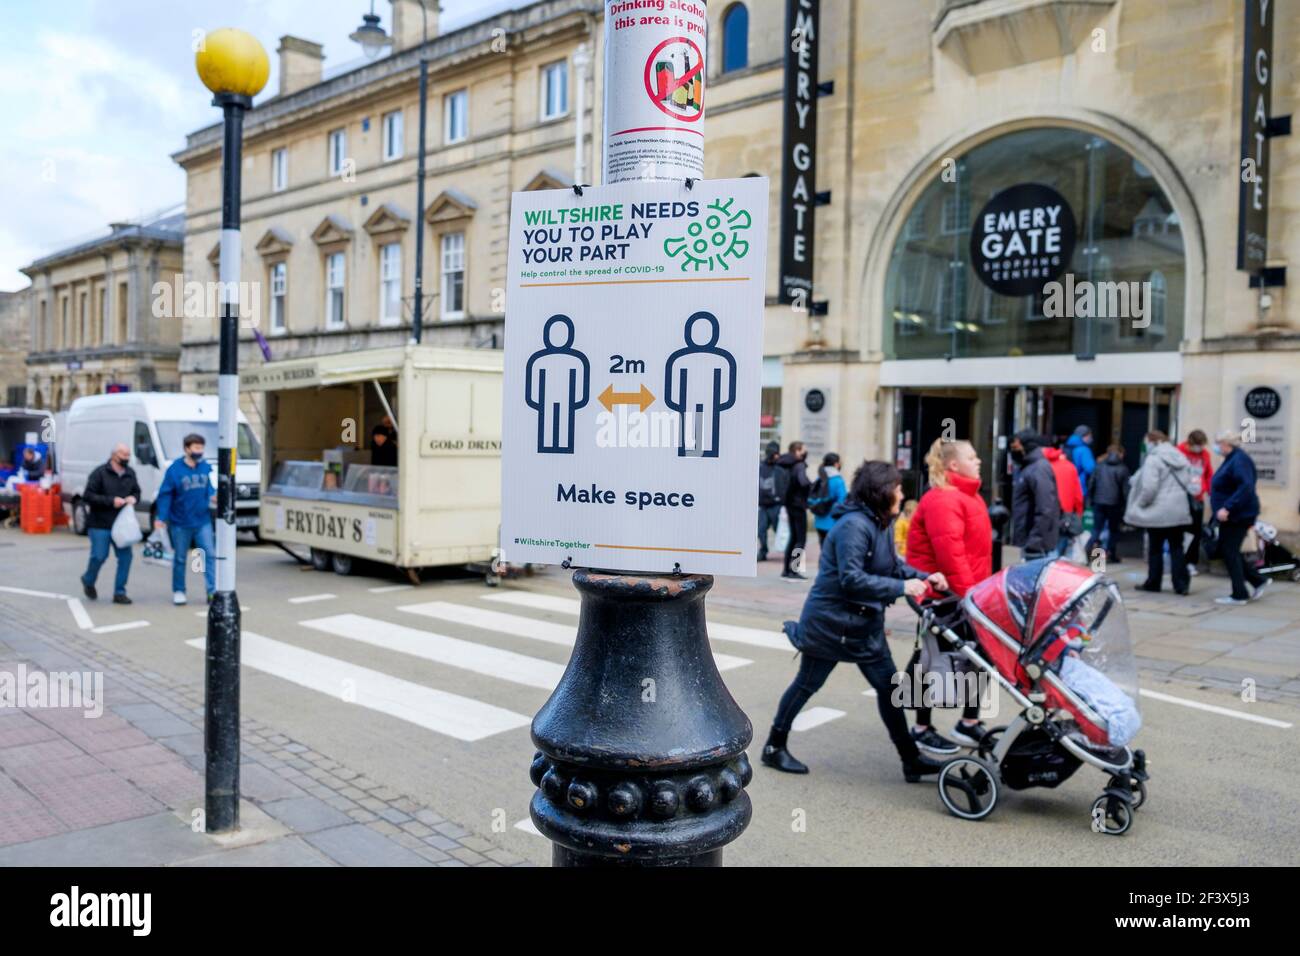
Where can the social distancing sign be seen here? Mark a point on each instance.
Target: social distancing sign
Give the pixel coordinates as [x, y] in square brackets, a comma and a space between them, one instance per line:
[634, 348]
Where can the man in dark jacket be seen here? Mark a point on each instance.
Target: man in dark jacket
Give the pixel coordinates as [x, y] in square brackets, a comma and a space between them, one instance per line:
[796, 507]
[110, 488]
[1035, 506]
[1235, 505]
[1108, 492]
[772, 484]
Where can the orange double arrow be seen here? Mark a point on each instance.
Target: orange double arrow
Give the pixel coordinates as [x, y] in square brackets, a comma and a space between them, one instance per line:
[609, 398]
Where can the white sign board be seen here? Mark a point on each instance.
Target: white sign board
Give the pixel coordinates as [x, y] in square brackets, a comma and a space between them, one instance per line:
[1264, 418]
[634, 352]
[654, 89]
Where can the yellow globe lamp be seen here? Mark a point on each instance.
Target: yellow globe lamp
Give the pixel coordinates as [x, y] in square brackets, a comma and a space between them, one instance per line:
[231, 61]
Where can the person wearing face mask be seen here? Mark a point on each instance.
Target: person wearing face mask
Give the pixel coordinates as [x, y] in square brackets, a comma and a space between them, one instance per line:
[1196, 448]
[1035, 505]
[184, 503]
[859, 576]
[110, 488]
[950, 533]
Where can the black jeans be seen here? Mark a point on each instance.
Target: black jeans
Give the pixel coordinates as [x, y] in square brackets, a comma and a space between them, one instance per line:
[970, 712]
[1198, 523]
[769, 517]
[813, 672]
[798, 519]
[1231, 535]
[1106, 516]
[1156, 540]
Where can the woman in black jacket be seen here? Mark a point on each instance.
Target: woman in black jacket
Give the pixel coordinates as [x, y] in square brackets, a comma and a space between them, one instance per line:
[843, 618]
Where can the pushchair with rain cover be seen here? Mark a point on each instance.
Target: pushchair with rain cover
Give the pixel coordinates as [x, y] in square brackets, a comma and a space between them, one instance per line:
[1053, 635]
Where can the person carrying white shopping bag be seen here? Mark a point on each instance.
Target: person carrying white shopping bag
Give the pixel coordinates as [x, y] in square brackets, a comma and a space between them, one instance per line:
[111, 491]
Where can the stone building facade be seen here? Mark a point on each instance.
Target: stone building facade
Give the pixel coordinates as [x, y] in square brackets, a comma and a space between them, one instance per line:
[1130, 110]
[96, 323]
[15, 339]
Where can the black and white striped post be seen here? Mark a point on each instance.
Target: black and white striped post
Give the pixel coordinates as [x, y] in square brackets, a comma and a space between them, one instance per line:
[233, 65]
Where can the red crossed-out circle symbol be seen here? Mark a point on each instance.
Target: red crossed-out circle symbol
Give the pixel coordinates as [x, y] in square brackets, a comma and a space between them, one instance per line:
[663, 85]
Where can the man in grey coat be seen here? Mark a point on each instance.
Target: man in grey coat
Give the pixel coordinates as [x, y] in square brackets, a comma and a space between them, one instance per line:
[1035, 505]
[1158, 502]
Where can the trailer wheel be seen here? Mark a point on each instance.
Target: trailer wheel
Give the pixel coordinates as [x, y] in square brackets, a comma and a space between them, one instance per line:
[342, 563]
[80, 516]
[320, 560]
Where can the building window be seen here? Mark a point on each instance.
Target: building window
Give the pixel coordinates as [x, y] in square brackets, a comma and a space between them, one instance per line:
[42, 332]
[555, 89]
[279, 287]
[735, 38]
[279, 170]
[453, 275]
[104, 331]
[1126, 232]
[122, 314]
[83, 321]
[338, 151]
[393, 141]
[390, 283]
[335, 278]
[455, 114]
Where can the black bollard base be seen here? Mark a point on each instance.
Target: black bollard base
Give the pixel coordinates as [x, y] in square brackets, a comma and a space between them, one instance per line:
[221, 715]
[641, 748]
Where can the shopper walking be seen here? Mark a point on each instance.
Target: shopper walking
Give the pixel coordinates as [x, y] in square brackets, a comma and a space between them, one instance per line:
[1070, 494]
[827, 491]
[184, 506]
[1197, 450]
[1079, 451]
[1158, 503]
[1108, 489]
[950, 533]
[796, 509]
[843, 618]
[1235, 503]
[110, 488]
[772, 482]
[1035, 505]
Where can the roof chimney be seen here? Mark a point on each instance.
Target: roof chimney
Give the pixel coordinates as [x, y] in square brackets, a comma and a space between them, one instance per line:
[301, 64]
[408, 22]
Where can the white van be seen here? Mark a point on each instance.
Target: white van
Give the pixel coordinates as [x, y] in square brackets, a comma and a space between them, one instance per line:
[152, 425]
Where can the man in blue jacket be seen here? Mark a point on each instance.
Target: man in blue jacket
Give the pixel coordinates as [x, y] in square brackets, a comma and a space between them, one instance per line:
[1079, 448]
[1236, 506]
[184, 502]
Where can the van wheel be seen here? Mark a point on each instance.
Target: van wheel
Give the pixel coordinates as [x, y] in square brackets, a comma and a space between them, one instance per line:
[80, 516]
[320, 560]
[342, 563]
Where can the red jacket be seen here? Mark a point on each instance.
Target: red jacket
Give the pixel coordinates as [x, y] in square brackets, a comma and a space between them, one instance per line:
[1067, 481]
[951, 533]
[1203, 460]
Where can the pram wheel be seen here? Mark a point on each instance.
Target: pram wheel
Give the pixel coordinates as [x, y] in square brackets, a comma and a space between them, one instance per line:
[968, 787]
[1111, 815]
[989, 742]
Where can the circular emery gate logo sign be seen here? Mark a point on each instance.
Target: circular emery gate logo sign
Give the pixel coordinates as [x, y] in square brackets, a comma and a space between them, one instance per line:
[1262, 402]
[674, 78]
[1022, 238]
[815, 400]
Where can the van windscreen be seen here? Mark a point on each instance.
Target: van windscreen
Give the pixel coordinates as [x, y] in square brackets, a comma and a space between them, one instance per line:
[172, 434]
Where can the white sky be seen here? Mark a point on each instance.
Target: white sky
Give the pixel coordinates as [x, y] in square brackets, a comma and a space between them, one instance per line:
[99, 93]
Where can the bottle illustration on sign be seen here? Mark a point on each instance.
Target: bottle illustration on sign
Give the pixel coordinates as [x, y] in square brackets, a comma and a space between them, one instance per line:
[675, 78]
[557, 384]
[700, 384]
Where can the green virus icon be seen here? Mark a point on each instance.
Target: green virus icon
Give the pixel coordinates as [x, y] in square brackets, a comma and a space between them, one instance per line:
[712, 238]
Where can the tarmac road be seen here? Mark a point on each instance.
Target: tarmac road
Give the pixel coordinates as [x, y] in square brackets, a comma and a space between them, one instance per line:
[467, 666]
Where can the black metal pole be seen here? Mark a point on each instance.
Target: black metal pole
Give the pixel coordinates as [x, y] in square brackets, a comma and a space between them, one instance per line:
[221, 678]
[641, 748]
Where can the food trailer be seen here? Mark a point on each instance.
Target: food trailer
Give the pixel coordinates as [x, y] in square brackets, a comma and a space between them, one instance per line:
[332, 484]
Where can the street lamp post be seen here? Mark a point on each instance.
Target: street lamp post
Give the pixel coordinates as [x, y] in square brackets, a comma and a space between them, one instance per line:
[234, 66]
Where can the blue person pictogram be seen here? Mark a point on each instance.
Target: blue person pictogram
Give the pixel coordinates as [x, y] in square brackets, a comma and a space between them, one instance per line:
[557, 384]
[700, 384]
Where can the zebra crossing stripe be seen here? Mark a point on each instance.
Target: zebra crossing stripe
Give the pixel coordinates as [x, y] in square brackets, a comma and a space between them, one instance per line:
[449, 714]
[516, 626]
[815, 717]
[773, 640]
[467, 655]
